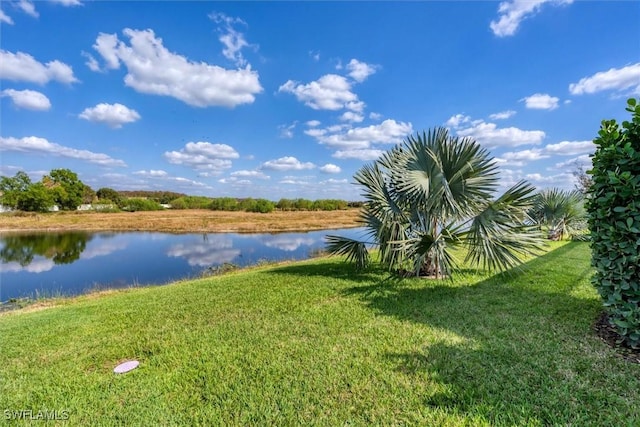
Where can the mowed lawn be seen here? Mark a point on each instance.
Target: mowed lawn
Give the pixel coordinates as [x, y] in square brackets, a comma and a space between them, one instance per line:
[316, 343]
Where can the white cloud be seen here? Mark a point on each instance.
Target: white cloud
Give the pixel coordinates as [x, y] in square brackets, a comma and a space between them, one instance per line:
[5, 18]
[28, 99]
[313, 123]
[359, 71]
[287, 164]
[570, 148]
[360, 154]
[291, 181]
[387, 132]
[330, 168]
[520, 158]
[512, 13]
[333, 181]
[152, 173]
[457, 120]
[232, 39]
[541, 101]
[286, 131]
[375, 116]
[24, 67]
[491, 136]
[314, 55]
[502, 115]
[203, 156]
[92, 63]
[153, 69]
[560, 180]
[618, 79]
[67, 2]
[329, 92]
[27, 7]
[580, 161]
[113, 115]
[250, 174]
[350, 116]
[36, 145]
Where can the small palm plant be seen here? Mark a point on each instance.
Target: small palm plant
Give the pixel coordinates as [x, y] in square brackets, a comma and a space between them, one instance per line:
[562, 213]
[432, 194]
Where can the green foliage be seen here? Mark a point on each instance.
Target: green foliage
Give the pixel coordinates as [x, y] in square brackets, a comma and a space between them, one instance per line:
[260, 206]
[308, 205]
[67, 189]
[191, 202]
[36, 198]
[614, 219]
[109, 194]
[163, 197]
[135, 204]
[224, 204]
[433, 193]
[561, 213]
[12, 188]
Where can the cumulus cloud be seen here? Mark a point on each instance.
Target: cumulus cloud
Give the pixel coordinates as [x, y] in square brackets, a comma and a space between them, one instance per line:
[92, 62]
[287, 163]
[359, 71]
[520, 158]
[387, 132]
[375, 116]
[490, 135]
[359, 154]
[203, 156]
[250, 174]
[333, 181]
[330, 168]
[28, 99]
[232, 39]
[329, 92]
[24, 67]
[113, 115]
[512, 13]
[502, 115]
[581, 161]
[313, 123]
[617, 79]
[570, 148]
[541, 101]
[36, 145]
[153, 69]
[350, 116]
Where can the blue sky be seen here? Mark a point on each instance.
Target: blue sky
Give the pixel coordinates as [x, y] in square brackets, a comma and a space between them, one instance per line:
[289, 99]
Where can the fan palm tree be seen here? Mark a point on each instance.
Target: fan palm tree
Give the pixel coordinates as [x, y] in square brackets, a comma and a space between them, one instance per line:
[431, 194]
[561, 212]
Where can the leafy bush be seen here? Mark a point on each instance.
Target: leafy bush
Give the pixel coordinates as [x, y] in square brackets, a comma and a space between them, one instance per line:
[261, 206]
[191, 202]
[613, 206]
[134, 205]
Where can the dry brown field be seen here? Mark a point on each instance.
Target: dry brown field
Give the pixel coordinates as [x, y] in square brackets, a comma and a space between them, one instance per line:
[181, 221]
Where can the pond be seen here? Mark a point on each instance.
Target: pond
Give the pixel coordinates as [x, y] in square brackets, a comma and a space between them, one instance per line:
[55, 264]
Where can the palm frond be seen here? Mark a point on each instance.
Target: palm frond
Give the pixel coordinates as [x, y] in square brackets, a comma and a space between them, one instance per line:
[355, 251]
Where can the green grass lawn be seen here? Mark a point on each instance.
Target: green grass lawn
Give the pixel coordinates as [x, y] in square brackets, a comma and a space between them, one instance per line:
[317, 343]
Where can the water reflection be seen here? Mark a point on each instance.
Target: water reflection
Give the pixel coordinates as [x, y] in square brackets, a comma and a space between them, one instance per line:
[75, 262]
[61, 248]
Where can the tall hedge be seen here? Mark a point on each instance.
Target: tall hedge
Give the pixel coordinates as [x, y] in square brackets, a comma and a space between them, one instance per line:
[613, 205]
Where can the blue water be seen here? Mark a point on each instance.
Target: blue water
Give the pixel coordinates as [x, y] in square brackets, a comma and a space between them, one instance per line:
[51, 264]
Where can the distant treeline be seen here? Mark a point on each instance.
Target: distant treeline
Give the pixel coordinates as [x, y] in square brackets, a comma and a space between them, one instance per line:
[63, 189]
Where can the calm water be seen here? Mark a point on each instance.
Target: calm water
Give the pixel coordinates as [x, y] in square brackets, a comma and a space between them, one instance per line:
[48, 264]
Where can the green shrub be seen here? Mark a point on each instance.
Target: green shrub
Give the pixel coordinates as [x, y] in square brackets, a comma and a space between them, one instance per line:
[191, 202]
[134, 205]
[224, 204]
[261, 206]
[613, 206]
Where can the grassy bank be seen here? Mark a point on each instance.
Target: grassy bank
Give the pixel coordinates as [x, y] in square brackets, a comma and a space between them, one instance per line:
[317, 343]
[181, 221]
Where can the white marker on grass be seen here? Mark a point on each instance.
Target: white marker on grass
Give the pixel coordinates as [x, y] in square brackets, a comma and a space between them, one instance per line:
[126, 366]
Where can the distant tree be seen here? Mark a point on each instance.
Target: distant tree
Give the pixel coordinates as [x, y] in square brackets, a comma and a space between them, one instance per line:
[36, 198]
[88, 195]
[561, 212]
[583, 180]
[12, 188]
[66, 187]
[110, 194]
